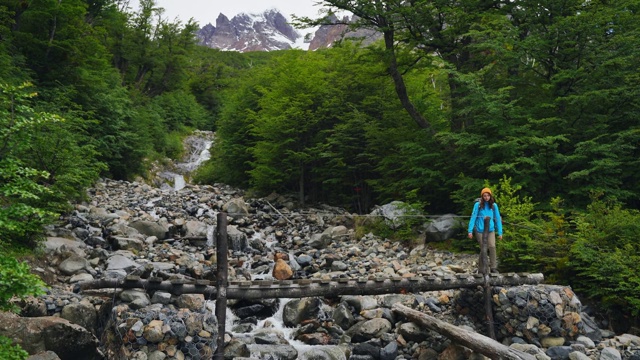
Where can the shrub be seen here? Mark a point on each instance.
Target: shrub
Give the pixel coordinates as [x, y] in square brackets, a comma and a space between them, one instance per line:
[16, 281]
[605, 255]
[8, 351]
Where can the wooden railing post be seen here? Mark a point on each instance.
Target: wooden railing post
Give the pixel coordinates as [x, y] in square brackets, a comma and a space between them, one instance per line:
[488, 309]
[222, 282]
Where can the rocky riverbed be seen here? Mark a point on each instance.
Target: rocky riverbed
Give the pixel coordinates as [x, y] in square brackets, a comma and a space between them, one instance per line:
[129, 228]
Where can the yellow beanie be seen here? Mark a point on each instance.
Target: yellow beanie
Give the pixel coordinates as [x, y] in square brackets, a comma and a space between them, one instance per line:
[486, 190]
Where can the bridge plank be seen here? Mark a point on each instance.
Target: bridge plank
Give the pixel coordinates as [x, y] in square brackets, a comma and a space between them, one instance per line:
[305, 287]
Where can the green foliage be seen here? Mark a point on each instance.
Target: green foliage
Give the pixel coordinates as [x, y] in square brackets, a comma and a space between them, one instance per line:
[22, 191]
[605, 255]
[16, 281]
[179, 110]
[174, 148]
[21, 220]
[8, 351]
[519, 248]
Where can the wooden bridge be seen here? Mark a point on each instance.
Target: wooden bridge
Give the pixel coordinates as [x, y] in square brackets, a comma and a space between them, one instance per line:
[261, 289]
[223, 289]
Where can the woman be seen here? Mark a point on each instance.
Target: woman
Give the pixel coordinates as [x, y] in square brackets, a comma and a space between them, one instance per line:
[481, 209]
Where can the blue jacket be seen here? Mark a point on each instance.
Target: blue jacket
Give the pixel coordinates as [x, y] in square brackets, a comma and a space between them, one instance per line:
[478, 215]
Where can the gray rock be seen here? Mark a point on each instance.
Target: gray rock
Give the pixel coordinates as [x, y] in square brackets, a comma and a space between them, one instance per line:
[120, 262]
[298, 310]
[150, 228]
[304, 260]
[156, 355]
[282, 352]
[42, 334]
[559, 352]
[194, 302]
[324, 353]
[360, 302]
[80, 277]
[82, 313]
[269, 336]
[74, 265]
[57, 245]
[389, 352]
[587, 342]
[124, 243]
[197, 229]
[163, 266]
[47, 355]
[339, 266]
[610, 353]
[319, 241]
[236, 208]
[369, 329]
[576, 355]
[342, 316]
[161, 297]
[122, 229]
[236, 238]
[131, 295]
[412, 332]
[444, 228]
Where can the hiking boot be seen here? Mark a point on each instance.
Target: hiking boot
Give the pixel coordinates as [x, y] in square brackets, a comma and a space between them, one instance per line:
[494, 270]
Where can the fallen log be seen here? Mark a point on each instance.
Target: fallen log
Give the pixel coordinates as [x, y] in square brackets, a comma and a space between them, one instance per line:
[472, 340]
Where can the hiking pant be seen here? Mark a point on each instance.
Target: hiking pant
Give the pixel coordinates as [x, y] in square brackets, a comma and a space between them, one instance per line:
[491, 248]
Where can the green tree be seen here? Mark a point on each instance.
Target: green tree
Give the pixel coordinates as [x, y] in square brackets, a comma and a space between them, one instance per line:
[21, 187]
[287, 125]
[604, 255]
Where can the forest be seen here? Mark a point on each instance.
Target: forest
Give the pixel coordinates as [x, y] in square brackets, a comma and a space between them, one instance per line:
[539, 100]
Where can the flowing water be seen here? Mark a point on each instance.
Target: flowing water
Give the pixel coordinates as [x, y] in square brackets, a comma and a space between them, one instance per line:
[200, 152]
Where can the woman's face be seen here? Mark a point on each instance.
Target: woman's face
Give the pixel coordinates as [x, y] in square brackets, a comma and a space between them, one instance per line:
[486, 196]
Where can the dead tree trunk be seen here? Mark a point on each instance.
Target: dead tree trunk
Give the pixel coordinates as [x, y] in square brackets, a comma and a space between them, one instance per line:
[222, 282]
[488, 310]
[472, 340]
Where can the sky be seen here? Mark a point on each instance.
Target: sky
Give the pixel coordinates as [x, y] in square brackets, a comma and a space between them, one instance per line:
[206, 11]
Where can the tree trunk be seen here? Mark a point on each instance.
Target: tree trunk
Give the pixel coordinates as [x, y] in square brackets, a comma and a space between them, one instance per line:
[301, 184]
[400, 86]
[474, 341]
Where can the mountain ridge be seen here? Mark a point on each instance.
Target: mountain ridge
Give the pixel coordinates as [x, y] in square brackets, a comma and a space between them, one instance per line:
[271, 31]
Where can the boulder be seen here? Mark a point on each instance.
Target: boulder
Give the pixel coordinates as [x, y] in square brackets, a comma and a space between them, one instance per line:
[41, 334]
[58, 245]
[150, 228]
[282, 270]
[444, 228]
[393, 213]
[236, 208]
[81, 313]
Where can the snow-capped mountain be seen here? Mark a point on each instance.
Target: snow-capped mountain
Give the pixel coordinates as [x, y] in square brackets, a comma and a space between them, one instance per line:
[270, 31]
[250, 32]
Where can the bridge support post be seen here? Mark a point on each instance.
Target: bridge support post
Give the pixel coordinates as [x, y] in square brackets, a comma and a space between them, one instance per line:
[222, 282]
[484, 264]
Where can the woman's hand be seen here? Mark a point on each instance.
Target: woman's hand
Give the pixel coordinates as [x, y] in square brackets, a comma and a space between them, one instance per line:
[499, 237]
[470, 235]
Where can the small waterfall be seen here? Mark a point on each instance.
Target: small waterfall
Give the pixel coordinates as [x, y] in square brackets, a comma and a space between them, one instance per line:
[210, 235]
[178, 182]
[198, 148]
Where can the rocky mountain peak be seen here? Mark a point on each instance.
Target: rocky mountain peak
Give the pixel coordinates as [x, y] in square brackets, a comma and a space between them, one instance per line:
[244, 32]
[270, 30]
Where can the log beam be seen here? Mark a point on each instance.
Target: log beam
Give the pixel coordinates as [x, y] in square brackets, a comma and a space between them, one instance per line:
[472, 340]
[254, 290]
